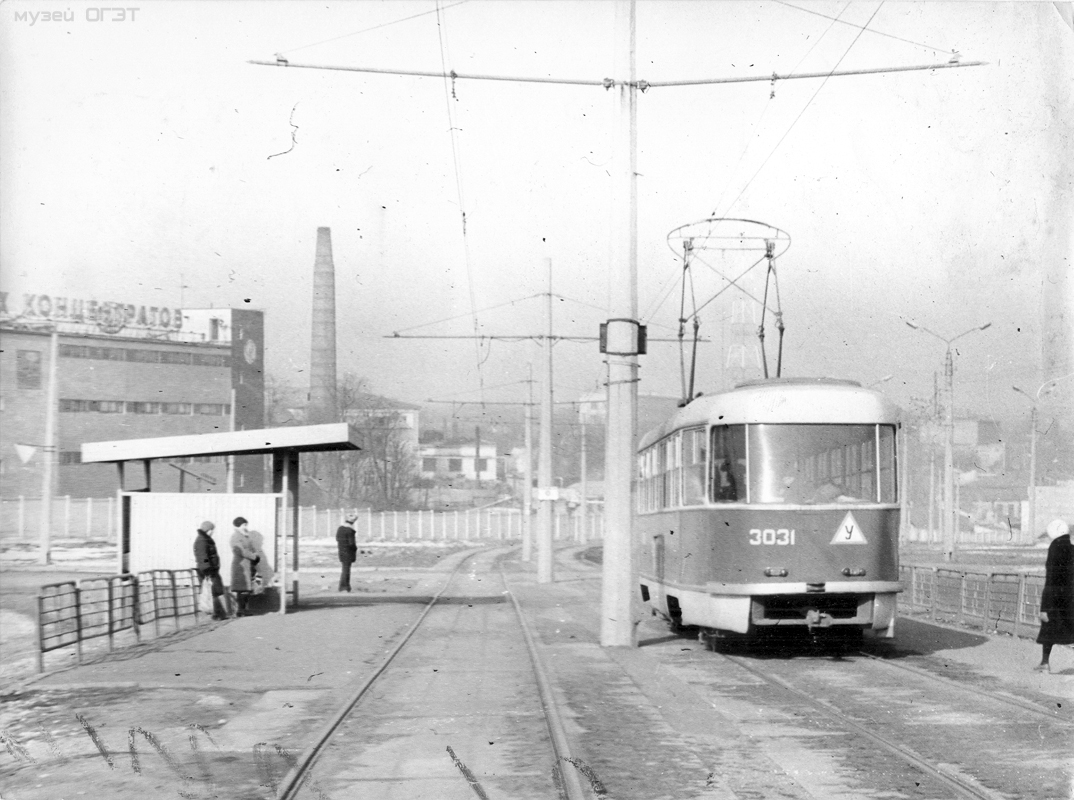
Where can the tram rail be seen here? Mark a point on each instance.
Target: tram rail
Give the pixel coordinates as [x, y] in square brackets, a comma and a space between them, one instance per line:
[1018, 702]
[566, 779]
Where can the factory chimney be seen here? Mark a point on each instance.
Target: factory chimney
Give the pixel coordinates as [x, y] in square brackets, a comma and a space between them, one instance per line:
[322, 400]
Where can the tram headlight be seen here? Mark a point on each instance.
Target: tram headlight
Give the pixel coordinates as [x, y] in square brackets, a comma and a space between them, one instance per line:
[775, 572]
[854, 572]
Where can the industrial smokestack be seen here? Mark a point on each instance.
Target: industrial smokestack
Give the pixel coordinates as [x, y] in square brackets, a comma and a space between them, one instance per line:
[322, 406]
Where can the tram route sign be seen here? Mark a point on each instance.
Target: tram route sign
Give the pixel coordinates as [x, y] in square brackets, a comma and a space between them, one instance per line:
[849, 532]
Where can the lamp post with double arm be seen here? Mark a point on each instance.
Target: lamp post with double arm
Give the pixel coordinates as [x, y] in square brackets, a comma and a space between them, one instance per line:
[950, 516]
[1030, 527]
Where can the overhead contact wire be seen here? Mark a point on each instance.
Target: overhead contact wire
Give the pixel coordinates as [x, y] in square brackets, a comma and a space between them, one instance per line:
[768, 105]
[805, 108]
[449, 94]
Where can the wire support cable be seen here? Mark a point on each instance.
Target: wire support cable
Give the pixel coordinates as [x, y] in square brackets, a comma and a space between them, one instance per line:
[468, 314]
[609, 83]
[456, 159]
[854, 25]
[834, 71]
[436, 11]
[768, 104]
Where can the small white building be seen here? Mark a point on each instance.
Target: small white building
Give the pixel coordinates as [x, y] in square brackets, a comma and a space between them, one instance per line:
[464, 461]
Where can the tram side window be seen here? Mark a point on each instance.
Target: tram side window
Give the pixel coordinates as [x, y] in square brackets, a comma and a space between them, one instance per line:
[728, 473]
[649, 479]
[693, 466]
[886, 463]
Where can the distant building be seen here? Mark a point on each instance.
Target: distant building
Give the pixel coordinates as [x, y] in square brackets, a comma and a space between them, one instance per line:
[652, 409]
[125, 372]
[372, 411]
[459, 461]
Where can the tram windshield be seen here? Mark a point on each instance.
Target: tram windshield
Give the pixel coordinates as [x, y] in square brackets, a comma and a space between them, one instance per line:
[803, 464]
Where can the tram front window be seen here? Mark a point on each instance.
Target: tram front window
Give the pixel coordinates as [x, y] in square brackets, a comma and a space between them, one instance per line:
[818, 464]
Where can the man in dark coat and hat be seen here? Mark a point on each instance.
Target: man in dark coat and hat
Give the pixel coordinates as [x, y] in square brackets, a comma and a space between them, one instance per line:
[348, 550]
[1057, 599]
[207, 565]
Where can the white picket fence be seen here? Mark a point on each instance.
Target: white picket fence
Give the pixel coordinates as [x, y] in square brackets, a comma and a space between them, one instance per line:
[83, 519]
[467, 525]
[87, 519]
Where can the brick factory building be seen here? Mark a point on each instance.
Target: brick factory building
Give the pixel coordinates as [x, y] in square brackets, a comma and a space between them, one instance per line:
[125, 372]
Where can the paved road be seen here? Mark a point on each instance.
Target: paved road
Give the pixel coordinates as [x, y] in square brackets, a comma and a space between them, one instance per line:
[221, 710]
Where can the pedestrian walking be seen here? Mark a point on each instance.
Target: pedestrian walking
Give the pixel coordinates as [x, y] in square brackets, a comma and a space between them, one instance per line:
[1057, 599]
[207, 565]
[348, 550]
[243, 559]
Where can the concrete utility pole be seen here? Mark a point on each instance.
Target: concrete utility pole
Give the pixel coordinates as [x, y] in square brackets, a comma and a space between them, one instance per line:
[527, 475]
[545, 491]
[48, 451]
[583, 508]
[623, 335]
[950, 515]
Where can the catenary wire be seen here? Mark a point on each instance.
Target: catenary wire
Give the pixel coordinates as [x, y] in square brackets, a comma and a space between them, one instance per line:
[853, 25]
[456, 158]
[804, 109]
[437, 10]
[764, 111]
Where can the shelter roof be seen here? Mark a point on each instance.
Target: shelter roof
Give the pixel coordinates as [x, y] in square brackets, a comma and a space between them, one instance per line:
[303, 439]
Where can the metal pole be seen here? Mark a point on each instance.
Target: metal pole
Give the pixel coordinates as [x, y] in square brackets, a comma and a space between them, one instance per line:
[48, 452]
[617, 618]
[527, 477]
[544, 467]
[583, 510]
[949, 519]
[1032, 532]
[932, 492]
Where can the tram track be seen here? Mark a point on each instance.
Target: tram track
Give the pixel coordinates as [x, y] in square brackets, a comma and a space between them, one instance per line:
[566, 780]
[1017, 702]
[963, 785]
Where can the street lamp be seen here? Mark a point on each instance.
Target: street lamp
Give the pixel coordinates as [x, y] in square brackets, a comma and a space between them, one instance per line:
[950, 518]
[1032, 515]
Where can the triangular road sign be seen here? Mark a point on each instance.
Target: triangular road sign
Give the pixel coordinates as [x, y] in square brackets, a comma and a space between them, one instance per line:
[848, 532]
[26, 452]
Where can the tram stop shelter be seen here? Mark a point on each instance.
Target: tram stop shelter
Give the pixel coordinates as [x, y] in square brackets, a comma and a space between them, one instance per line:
[157, 529]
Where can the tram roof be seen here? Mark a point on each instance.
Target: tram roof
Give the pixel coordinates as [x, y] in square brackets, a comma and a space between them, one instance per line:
[805, 401]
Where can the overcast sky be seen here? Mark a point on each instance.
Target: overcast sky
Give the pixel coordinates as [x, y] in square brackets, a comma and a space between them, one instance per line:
[145, 161]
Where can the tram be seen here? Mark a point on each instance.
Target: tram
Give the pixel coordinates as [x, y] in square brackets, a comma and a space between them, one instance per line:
[772, 505]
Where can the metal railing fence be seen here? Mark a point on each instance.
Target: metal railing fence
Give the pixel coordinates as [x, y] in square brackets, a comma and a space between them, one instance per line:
[73, 612]
[994, 601]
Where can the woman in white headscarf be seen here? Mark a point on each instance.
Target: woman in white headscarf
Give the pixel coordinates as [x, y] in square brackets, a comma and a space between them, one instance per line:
[1057, 599]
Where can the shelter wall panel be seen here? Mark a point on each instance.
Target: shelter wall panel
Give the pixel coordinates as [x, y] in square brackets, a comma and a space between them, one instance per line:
[164, 526]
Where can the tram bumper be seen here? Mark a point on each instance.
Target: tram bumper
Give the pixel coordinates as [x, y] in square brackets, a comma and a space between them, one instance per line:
[835, 604]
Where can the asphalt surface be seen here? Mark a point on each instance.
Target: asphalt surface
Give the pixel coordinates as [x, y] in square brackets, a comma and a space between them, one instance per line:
[221, 709]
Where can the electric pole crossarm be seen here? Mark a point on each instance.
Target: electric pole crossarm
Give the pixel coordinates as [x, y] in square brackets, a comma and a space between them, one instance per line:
[522, 338]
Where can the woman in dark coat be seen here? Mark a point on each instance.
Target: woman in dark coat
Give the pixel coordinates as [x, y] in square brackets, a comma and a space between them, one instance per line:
[1057, 599]
[207, 564]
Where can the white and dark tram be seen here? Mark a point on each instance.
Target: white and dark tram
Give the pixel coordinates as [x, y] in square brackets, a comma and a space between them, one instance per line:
[774, 504]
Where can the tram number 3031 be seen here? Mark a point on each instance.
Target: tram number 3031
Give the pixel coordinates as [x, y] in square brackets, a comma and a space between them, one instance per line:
[779, 536]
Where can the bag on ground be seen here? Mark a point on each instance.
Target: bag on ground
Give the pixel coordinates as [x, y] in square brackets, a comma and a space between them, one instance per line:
[228, 601]
[205, 597]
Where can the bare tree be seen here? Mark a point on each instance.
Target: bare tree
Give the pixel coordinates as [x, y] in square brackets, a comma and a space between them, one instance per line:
[382, 475]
